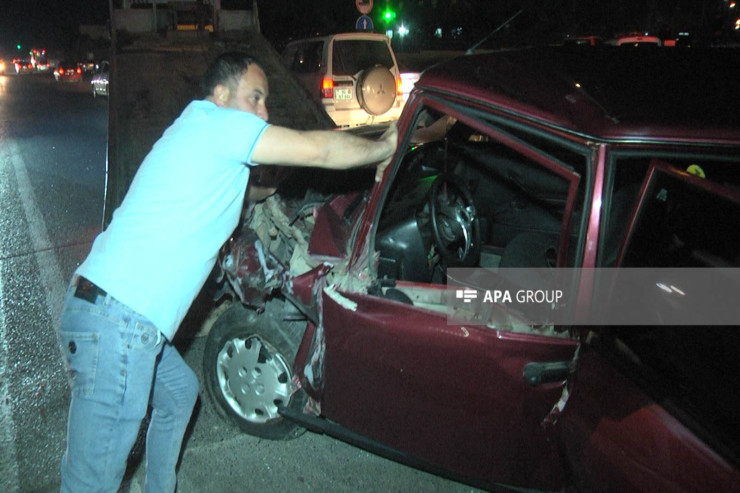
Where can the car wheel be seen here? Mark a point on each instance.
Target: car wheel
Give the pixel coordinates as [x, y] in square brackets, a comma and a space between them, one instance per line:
[248, 369]
[377, 90]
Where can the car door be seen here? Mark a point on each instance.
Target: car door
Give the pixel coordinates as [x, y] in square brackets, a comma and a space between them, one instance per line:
[653, 408]
[451, 398]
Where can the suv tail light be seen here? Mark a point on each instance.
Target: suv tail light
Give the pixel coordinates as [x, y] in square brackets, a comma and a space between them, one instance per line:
[327, 87]
[399, 91]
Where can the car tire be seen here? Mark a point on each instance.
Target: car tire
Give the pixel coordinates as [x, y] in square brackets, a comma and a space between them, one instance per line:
[256, 351]
[377, 90]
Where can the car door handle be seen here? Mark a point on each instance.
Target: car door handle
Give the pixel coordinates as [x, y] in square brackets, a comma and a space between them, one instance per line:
[537, 373]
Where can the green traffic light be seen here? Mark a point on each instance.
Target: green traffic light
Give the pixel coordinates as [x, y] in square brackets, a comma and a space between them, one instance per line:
[388, 15]
[18, 47]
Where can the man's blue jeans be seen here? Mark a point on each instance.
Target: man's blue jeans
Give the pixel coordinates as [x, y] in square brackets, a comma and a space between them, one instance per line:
[120, 363]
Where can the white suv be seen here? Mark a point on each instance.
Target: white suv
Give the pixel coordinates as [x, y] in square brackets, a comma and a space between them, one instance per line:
[354, 76]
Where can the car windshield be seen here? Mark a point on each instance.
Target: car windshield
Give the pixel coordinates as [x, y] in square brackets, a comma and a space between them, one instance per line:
[352, 56]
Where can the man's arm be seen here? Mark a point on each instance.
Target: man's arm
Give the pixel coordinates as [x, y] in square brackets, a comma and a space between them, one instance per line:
[324, 149]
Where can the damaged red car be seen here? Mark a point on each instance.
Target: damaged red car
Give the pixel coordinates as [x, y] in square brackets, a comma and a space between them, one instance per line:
[542, 158]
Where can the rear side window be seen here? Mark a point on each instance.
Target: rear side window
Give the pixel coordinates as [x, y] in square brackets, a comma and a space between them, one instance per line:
[352, 56]
[687, 222]
[305, 58]
[682, 224]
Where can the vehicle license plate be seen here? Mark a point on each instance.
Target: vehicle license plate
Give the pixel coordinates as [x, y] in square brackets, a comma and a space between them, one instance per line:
[342, 93]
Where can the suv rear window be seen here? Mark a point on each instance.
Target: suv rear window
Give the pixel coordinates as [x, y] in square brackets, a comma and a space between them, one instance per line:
[304, 58]
[352, 56]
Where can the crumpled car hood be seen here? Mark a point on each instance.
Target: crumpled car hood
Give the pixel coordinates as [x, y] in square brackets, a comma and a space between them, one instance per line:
[283, 246]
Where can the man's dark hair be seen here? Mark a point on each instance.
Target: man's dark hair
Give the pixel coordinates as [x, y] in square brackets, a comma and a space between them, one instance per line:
[227, 69]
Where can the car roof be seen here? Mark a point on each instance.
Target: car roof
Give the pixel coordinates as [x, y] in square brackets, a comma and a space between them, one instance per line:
[605, 93]
[350, 35]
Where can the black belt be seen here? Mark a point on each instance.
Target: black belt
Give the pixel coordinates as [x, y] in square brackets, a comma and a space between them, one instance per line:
[88, 290]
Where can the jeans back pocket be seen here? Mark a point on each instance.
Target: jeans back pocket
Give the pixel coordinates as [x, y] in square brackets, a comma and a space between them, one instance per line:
[81, 351]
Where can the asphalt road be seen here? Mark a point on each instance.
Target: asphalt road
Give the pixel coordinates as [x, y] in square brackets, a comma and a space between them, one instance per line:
[52, 163]
[52, 175]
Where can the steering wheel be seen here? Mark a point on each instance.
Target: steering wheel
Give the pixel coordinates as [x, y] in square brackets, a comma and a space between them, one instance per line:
[455, 225]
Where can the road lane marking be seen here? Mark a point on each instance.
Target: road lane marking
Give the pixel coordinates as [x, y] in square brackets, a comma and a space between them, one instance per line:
[51, 276]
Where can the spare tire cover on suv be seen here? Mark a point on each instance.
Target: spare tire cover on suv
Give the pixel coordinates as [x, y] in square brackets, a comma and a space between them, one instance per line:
[377, 90]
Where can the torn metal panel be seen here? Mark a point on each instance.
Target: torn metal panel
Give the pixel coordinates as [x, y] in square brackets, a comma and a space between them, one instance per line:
[305, 290]
[334, 224]
[332, 293]
[253, 272]
[360, 277]
[284, 237]
[313, 370]
[269, 249]
[557, 410]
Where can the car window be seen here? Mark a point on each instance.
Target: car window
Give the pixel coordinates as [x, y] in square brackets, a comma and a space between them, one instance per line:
[625, 177]
[681, 224]
[351, 56]
[686, 221]
[512, 198]
[305, 58]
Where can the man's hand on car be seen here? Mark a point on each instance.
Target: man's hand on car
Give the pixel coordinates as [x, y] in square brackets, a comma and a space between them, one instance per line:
[390, 136]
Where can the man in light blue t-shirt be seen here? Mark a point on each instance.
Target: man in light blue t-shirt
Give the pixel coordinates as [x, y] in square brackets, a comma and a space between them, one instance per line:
[128, 297]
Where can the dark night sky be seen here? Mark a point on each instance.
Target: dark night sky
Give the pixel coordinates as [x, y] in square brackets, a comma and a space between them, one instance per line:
[46, 23]
[53, 23]
[603, 17]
